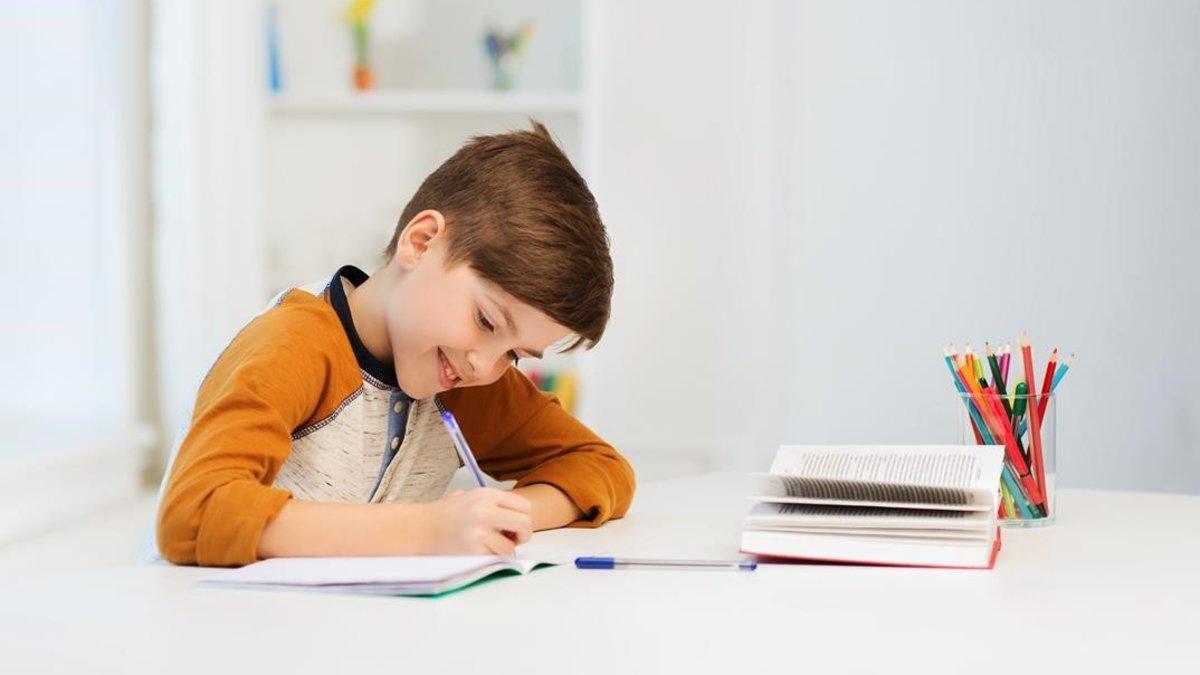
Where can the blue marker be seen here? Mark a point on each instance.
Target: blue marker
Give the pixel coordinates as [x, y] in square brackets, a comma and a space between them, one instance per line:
[460, 443]
[593, 563]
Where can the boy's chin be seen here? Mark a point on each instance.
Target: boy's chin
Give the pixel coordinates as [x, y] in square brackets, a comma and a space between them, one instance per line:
[420, 393]
[416, 389]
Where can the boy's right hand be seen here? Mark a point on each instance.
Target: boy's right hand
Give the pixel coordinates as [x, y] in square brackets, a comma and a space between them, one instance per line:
[480, 521]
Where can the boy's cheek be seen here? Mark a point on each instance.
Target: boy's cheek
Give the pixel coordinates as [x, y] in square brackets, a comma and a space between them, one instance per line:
[495, 375]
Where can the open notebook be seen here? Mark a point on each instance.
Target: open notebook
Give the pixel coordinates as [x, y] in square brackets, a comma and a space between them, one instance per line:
[888, 505]
[408, 575]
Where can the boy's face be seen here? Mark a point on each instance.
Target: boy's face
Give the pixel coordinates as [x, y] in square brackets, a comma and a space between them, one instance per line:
[450, 327]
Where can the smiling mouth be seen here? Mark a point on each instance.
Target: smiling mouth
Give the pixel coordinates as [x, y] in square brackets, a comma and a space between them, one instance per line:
[448, 376]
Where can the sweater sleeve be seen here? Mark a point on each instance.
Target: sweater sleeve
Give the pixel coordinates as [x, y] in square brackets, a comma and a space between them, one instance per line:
[268, 382]
[518, 432]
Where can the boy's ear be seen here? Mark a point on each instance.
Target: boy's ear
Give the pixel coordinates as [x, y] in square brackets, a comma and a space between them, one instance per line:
[416, 237]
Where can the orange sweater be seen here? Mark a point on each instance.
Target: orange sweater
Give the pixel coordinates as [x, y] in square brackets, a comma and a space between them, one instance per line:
[289, 410]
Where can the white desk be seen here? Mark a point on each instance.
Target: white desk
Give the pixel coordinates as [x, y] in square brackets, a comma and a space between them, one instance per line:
[1113, 584]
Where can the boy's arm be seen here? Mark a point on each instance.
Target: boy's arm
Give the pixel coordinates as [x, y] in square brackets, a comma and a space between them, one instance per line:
[466, 523]
[551, 507]
[219, 507]
[568, 472]
[265, 384]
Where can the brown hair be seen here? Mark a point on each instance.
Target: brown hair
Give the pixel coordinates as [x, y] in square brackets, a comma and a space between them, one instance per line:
[522, 217]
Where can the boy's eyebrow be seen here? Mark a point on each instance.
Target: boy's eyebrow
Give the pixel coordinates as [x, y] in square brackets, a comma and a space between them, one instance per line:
[512, 325]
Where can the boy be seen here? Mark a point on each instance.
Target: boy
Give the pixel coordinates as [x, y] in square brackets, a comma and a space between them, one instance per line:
[316, 432]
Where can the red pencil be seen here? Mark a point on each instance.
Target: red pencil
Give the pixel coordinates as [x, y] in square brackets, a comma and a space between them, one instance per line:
[1035, 423]
[1005, 357]
[1051, 365]
[988, 404]
[1032, 488]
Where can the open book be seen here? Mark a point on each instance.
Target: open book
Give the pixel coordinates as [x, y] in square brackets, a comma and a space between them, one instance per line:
[888, 505]
[407, 575]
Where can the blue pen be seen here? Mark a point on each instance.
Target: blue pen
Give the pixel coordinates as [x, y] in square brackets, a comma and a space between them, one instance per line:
[460, 443]
[603, 563]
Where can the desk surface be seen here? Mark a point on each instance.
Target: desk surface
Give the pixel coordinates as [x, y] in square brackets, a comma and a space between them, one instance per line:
[1112, 583]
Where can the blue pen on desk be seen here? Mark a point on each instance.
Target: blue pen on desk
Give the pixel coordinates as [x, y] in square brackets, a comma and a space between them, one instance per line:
[460, 443]
[602, 563]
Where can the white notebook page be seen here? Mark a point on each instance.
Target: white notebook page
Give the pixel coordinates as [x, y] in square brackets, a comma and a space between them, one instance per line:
[364, 570]
[971, 467]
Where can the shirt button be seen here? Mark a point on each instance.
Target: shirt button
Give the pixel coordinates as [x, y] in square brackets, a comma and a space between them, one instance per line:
[399, 407]
[395, 442]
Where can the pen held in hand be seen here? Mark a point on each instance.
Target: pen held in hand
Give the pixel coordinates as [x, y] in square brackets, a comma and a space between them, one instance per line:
[464, 451]
[460, 443]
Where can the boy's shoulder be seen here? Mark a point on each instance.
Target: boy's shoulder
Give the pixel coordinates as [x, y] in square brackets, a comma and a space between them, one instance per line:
[298, 323]
[299, 308]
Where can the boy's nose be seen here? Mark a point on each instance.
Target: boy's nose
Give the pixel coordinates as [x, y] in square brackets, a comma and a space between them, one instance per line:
[483, 362]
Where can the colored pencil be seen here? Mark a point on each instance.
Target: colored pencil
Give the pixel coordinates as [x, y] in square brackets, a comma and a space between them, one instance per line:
[1000, 430]
[949, 355]
[1061, 372]
[1006, 508]
[1046, 380]
[1024, 472]
[983, 436]
[1019, 406]
[998, 377]
[1024, 510]
[1035, 426]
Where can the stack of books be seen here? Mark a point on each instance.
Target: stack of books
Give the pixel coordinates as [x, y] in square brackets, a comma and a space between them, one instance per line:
[927, 506]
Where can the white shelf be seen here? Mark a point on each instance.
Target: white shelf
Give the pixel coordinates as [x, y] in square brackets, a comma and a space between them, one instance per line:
[427, 101]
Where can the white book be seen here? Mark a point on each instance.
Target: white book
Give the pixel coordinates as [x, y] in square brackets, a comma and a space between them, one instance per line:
[392, 575]
[889, 505]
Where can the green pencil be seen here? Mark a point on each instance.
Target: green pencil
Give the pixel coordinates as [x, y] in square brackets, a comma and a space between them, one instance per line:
[999, 378]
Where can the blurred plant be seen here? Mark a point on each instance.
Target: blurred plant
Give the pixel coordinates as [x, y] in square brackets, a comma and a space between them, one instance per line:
[505, 51]
[357, 13]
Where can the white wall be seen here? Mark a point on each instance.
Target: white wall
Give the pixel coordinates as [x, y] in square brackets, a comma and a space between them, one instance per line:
[683, 181]
[968, 170]
[67, 228]
[807, 199]
[208, 244]
[790, 186]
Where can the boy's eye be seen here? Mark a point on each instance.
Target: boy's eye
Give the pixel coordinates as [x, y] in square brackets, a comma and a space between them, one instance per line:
[487, 325]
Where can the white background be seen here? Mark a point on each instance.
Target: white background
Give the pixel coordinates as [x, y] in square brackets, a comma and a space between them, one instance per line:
[939, 171]
[806, 199]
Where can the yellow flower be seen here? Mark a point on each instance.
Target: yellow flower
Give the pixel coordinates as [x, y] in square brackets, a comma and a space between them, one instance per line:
[357, 11]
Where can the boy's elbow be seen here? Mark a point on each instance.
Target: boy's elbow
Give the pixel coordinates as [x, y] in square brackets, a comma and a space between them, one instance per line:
[625, 483]
[176, 529]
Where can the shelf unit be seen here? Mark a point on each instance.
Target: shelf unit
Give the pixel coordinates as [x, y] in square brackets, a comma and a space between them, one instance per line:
[376, 146]
[399, 102]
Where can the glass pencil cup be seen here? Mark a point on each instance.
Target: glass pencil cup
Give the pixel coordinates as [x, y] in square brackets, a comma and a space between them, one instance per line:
[1026, 426]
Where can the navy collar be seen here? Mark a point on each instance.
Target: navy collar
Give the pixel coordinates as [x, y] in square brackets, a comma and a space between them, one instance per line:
[385, 373]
